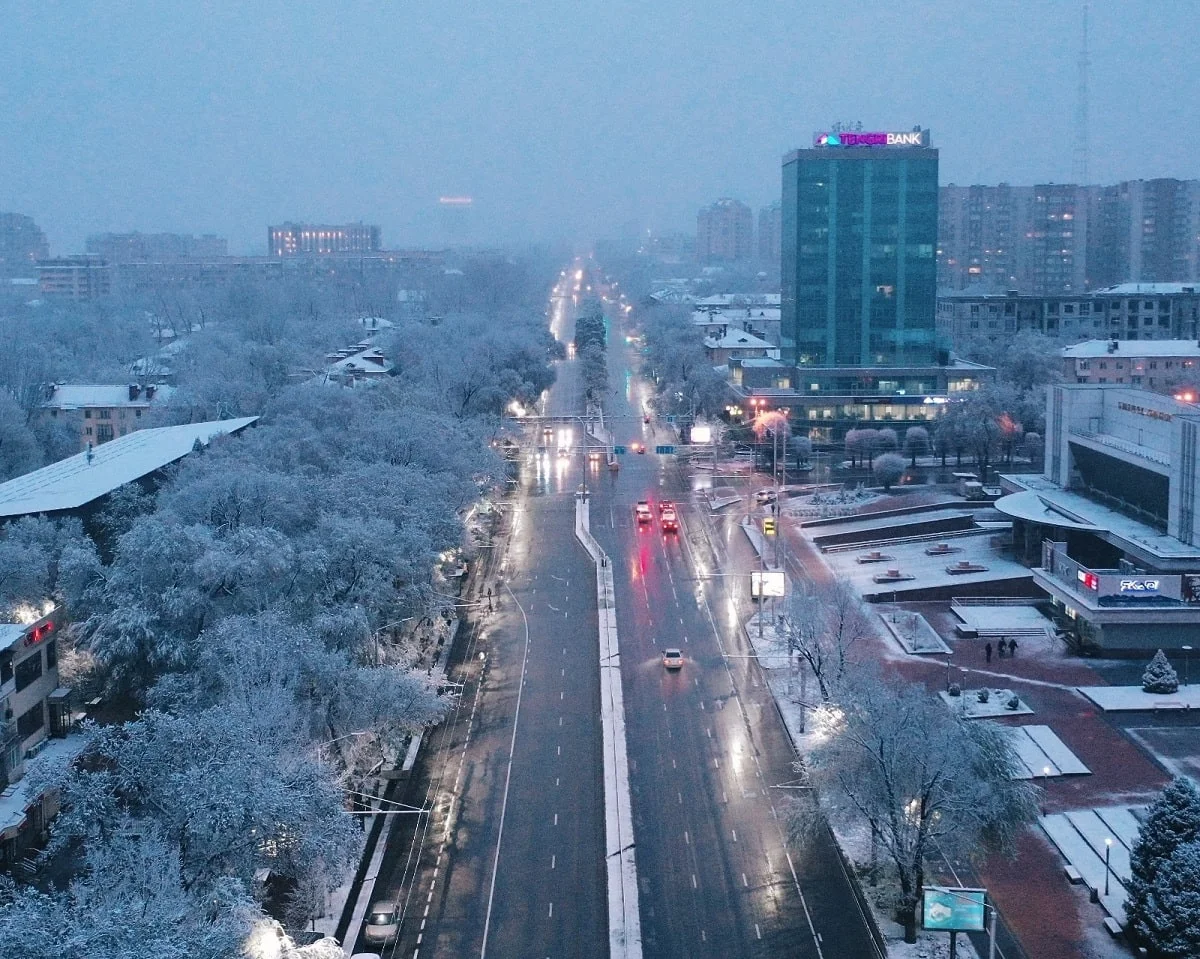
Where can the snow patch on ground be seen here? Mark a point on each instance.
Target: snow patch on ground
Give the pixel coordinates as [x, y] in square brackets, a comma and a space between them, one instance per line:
[1128, 698]
[913, 632]
[968, 705]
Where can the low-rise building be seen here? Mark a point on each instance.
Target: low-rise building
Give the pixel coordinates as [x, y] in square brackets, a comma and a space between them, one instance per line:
[1112, 525]
[1163, 365]
[726, 345]
[35, 711]
[79, 278]
[98, 413]
[829, 401]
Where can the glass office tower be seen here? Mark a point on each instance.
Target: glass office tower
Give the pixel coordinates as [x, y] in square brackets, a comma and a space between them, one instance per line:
[859, 251]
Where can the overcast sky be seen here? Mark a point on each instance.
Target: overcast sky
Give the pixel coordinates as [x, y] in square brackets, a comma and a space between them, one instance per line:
[562, 119]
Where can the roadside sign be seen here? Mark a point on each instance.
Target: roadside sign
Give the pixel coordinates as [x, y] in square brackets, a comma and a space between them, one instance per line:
[670, 419]
[618, 449]
[664, 449]
[769, 526]
[951, 909]
[767, 583]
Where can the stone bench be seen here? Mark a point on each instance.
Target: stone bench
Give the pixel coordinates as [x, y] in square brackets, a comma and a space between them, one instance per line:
[1113, 927]
[1073, 875]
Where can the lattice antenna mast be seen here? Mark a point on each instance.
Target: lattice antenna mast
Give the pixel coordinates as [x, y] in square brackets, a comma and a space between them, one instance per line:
[1079, 168]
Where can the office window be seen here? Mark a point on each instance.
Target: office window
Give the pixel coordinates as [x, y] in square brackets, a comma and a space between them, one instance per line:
[87, 414]
[104, 414]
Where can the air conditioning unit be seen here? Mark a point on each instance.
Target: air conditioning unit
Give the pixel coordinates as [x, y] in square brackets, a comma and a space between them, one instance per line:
[34, 750]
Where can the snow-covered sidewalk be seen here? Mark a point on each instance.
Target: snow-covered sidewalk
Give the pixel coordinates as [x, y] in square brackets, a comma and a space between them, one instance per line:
[1128, 698]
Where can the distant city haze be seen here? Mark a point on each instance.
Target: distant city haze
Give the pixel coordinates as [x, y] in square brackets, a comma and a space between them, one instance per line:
[563, 121]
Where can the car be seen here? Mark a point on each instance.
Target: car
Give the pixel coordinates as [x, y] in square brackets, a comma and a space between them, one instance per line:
[640, 447]
[646, 418]
[594, 456]
[642, 511]
[672, 659]
[665, 504]
[382, 923]
[764, 496]
[670, 521]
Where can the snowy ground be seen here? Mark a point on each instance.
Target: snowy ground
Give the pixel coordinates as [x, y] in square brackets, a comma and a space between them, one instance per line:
[928, 571]
[1127, 698]
[913, 632]
[1084, 837]
[1003, 620]
[968, 705]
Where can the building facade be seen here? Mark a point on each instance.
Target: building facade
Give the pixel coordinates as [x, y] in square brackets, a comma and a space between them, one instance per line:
[79, 278]
[1065, 238]
[1165, 366]
[770, 224]
[314, 239]
[725, 231]
[22, 244]
[151, 247]
[1130, 311]
[1112, 526]
[859, 240]
[97, 413]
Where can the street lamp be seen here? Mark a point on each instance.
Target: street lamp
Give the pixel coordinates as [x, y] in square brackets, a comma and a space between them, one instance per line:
[1187, 655]
[1107, 850]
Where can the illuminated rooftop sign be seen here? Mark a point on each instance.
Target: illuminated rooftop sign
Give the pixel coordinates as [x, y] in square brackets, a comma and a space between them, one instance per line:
[913, 138]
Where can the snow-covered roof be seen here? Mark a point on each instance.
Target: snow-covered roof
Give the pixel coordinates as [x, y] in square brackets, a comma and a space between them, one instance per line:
[11, 633]
[370, 360]
[1147, 289]
[377, 322]
[74, 482]
[737, 340]
[1101, 348]
[20, 796]
[724, 300]
[72, 396]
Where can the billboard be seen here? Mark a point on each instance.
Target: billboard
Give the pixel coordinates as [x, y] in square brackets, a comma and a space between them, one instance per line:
[951, 909]
[846, 138]
[701, 433]
[766, 584]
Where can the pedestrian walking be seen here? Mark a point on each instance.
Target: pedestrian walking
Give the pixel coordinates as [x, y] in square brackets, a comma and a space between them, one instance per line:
[987, 650]
[1000, 647]
[1012, 647]
[489, 599]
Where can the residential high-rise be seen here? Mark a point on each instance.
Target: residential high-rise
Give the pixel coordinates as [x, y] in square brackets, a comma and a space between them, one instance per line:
[770, 223]
[725, 231]
[155, 247]
[1061, 239]
[859, 273]
[314, 239]
[22, 244]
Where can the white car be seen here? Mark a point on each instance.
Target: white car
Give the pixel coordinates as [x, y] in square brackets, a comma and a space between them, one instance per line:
[672, 659]
[382, 923]
[764, 496]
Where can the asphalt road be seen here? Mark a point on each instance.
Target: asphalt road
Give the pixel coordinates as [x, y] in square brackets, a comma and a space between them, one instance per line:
[511, 862]
[710, 760]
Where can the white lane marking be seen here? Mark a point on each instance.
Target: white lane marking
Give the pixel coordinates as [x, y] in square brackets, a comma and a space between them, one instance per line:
[552, 861]
[695, 885]
[560, 750]
[745, 881]
[757, 931]
[686, 840]
[560, 720]
[512, 748]
[552, 914]
[734, 831]
[556, 819]
[709, 731]
[680, 795]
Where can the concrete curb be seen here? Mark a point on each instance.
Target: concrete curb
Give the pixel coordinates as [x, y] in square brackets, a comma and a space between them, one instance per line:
[624, 918]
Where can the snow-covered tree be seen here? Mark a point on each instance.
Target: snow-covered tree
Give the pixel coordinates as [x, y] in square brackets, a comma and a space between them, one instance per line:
[1160, 675]
[888, 468]
[1162, 906]
[822, 623]
[916, 443]
[923, 780]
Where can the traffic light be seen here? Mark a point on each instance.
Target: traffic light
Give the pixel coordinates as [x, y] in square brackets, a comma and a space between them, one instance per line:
[769, 526]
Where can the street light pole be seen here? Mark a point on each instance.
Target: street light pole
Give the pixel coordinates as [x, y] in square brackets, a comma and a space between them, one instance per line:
[1187, 655]
[1107, 851]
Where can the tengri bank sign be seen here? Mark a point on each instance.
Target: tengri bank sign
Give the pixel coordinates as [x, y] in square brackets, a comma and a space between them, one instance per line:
[913, 138]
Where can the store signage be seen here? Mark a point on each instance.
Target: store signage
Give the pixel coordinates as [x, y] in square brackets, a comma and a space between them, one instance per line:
[913, 138]
[1089, 579]
[1146, 411]
[1140, 587]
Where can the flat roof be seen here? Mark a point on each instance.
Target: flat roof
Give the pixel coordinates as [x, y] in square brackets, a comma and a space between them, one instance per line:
[1147, 289]
[1131, 348]
[76, 481]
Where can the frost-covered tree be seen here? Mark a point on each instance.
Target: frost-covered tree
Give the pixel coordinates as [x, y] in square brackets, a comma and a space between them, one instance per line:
[916, 443]
[886, 440]
[1160, 675]
[921, 778]
[1162, 906]
[822, 623]
[888, 468]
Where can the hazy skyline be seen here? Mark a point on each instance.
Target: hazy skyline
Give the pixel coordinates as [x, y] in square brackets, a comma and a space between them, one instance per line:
[564, 121]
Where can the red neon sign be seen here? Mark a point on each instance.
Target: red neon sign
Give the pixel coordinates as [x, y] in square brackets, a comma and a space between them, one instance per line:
[38, 633]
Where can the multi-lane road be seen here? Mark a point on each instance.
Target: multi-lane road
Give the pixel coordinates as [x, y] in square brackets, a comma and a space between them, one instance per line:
[510, 860]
